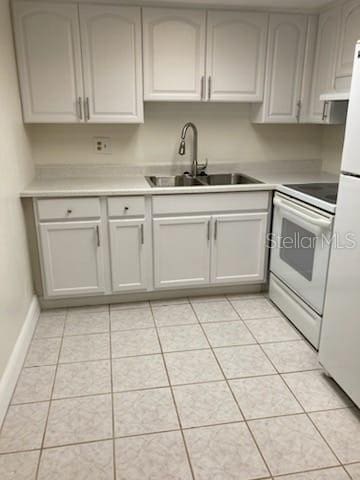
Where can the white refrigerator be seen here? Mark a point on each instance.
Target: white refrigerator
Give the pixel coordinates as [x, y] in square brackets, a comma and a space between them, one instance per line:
[339, 350]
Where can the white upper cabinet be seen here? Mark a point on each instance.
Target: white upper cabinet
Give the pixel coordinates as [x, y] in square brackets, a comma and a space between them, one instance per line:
[111, 49]
[309, 60]
[236, 49]
[90, 63]
[284, 70]
[349, 35]
[49, 61]
[174, 54]
[71, 74]
[324, 68]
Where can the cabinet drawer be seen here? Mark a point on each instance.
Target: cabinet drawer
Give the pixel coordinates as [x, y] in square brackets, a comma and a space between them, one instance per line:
[126, 206]
[68, 208]
[210, 202]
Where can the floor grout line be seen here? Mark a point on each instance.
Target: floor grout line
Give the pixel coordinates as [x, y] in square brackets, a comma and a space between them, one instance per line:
[179, 385]
[74, 362]
[50, 403]
[278, 373]
[23, 366]
[237, 403]
[174, 401]
[305, 412]
[171, 386]
[314, 470]
[112, 403]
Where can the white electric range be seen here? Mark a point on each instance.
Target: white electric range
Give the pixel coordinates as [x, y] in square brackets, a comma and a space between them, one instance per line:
[300, 250]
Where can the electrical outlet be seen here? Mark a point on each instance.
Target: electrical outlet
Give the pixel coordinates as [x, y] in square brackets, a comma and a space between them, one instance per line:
[102, 145]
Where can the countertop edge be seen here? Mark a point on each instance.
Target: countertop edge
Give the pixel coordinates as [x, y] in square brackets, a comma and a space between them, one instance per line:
[89, 192]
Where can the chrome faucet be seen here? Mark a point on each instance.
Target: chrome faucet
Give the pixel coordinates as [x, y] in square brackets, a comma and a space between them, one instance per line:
[196, 168]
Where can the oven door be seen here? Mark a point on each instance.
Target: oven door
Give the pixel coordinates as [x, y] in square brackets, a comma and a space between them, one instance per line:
[300, 252]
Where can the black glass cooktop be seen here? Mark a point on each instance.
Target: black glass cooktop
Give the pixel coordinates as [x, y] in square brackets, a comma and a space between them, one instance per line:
[324, 191]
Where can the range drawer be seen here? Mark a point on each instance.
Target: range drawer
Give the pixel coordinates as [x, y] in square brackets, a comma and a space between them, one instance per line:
[210, 202]
[126, 206]
[300, 314]
[68, 208]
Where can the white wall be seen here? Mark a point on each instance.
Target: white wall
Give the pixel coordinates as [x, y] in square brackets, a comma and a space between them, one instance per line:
[225, 134]
[332, 146]
[16, 170]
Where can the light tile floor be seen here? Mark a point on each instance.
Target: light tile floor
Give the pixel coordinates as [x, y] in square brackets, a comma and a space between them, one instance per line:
[204, 388]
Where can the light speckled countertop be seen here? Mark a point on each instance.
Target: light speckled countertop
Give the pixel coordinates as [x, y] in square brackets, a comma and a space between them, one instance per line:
[64, 181]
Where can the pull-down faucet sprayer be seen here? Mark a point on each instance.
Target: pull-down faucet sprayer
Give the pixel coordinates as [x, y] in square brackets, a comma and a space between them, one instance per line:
[196, 168]
[182, 148]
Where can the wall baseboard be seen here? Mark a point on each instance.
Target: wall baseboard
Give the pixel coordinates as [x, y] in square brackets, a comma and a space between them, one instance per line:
[16, 360]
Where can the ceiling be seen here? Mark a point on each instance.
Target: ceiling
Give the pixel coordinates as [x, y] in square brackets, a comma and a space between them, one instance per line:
[269, 4]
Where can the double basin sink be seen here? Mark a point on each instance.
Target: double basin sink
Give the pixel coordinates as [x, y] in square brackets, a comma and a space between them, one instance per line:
[186, 180]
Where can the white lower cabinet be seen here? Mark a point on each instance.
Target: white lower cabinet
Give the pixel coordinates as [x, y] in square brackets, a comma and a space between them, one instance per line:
[189, 240]
[73, 260]
[239, 248]
[219, 249]
[181, 251]
[127, 254]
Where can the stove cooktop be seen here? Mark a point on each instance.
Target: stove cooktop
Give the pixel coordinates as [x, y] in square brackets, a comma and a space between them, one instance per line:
[324, 191]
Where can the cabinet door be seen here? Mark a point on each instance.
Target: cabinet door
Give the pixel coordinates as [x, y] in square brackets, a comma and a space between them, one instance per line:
[49, 61]
[239, 249]
[309, 60]
[127, 255]
[72, 254]
[174, 54]
[349, 35]
[181, 251]
[284, 70]
[111, 48]
[236, 47]
[325, 59]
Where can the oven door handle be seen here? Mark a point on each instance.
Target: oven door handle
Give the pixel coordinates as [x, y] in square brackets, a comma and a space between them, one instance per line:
[319, 222]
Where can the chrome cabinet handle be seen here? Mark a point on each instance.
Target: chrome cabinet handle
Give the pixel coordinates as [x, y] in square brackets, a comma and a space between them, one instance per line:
[215, 229]
[142, 233]
[98, 235]
[324, 114]
[87, 108]
[202, 94]
[208, 230]
[68, 211]
[298, 110]
[209, 88]
[80, 108]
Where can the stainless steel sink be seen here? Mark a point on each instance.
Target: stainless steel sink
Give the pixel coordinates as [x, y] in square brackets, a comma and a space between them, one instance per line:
[227, 179]
[174, 181]
[202, 180]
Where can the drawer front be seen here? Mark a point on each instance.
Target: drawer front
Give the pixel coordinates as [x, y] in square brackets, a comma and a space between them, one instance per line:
[210, 202]
[303, 317]
[68, 208]
[126, 206]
